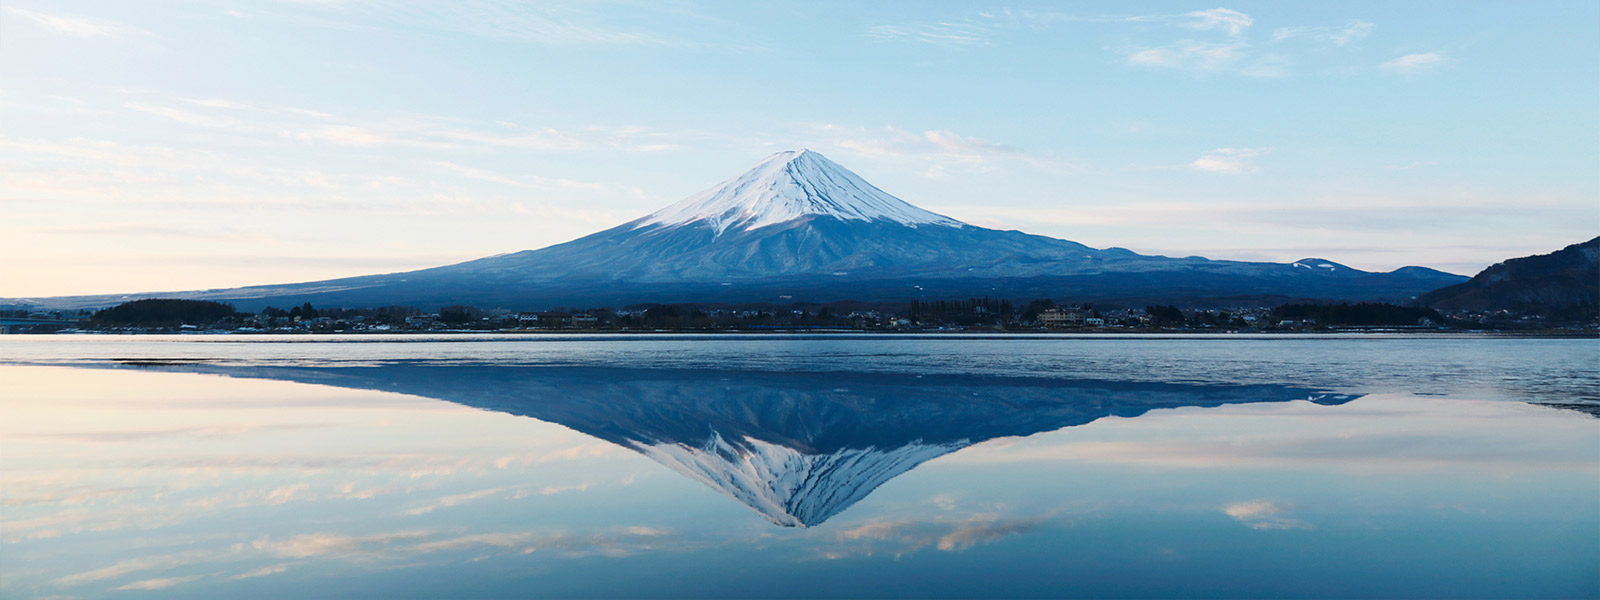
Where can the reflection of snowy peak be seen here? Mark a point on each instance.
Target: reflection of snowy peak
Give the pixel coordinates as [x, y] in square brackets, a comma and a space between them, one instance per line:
[787, 186]
[796, 447]
[789, 487]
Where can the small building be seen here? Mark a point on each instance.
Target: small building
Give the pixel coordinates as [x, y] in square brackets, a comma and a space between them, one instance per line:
[1071, 316]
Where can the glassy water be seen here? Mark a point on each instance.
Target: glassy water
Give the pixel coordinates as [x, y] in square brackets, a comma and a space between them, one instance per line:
[799, 466]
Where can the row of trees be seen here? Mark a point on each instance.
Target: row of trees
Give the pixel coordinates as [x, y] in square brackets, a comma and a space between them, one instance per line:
[1365, 313]
[156, 313]
[972, 311]
[173, 313]
[159, 312]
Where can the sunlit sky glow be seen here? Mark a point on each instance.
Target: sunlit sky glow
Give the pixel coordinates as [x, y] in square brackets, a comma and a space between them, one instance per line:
[204, 144]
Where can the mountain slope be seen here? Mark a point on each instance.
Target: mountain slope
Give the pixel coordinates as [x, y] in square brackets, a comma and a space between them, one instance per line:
[1562, 280]
[800, 227]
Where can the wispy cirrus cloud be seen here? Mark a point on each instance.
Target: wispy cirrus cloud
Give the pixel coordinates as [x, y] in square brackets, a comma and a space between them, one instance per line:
[891, 141]
[1217, 39]
[323, 544]
[159, 583]
[546, 23]
[559, 23]
[947, 33]
[219, 103]
[71, 25]
[984, 27]
[1353, 31]
[1231, 54]
[455, 500]
[125, 168]
[374, 549]
[1231, 21]
[621, 542]
[135, 565]
[936, 150]
[1416, 63]
[261, 572]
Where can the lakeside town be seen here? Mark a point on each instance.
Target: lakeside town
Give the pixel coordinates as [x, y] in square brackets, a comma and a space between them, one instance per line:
[975, 314]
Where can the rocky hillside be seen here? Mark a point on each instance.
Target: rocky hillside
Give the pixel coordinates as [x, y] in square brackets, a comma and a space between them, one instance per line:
[1564, 282]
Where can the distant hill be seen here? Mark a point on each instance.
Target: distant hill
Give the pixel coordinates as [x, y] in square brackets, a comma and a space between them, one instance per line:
[1564, 282]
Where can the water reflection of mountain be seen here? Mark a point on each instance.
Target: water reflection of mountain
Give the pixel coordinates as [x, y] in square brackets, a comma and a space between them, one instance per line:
[796, 447]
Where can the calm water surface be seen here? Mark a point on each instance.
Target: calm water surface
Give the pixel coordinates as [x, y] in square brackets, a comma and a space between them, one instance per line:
[798, 466]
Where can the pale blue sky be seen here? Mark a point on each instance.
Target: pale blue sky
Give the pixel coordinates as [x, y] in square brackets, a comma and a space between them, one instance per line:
[181, 145]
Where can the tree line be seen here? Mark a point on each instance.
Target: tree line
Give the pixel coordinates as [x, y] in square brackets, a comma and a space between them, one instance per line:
[159, 313]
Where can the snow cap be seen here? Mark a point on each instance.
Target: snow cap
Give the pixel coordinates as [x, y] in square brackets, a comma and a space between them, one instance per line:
[790, 185]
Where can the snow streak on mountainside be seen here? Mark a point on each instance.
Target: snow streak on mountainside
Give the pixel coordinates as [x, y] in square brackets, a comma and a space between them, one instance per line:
[789, 487]
[787, 186]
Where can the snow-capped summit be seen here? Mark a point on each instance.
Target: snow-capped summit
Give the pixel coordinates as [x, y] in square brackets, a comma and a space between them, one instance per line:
[790, 487]
[787, 186]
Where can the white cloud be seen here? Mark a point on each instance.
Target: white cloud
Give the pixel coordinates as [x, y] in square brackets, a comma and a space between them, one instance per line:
[908, 536]
[286, 494]
[1228, 160]
[1264, 514]
[70, 25]
[1233, 21]
[1414, 63]
[1191, 54]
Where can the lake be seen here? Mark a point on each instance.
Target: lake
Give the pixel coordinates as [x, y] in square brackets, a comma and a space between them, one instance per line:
[799, 466]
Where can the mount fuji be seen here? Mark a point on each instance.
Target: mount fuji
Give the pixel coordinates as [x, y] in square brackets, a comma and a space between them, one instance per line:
[799, 227]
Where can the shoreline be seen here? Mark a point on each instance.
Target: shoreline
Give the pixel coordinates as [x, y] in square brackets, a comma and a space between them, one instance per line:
[1082, 334]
